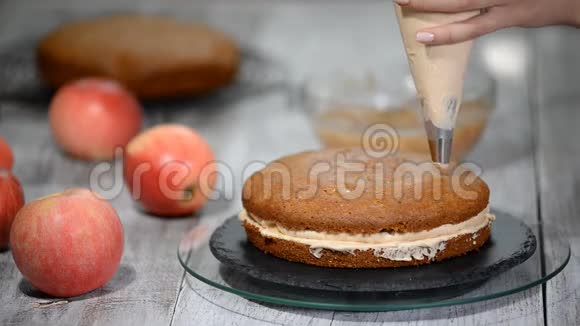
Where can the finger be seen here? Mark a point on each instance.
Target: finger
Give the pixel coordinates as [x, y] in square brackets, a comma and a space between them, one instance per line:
[448, 5]
[465, 30]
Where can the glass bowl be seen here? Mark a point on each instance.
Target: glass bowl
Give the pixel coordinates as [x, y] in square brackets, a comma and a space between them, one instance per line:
[343, 105]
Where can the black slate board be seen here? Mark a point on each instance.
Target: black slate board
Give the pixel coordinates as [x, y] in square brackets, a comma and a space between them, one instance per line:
[511, 243]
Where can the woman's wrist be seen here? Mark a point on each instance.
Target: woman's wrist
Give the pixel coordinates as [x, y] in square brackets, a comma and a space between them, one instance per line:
[575, 13]
[571, 13]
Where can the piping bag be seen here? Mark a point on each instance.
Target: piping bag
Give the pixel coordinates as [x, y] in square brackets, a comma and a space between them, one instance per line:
[438, 72]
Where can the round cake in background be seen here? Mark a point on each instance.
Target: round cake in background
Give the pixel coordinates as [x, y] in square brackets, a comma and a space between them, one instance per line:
[343, 208]
[153, 56]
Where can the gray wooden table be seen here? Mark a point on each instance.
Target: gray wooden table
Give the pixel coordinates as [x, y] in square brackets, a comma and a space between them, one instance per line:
[530, 153]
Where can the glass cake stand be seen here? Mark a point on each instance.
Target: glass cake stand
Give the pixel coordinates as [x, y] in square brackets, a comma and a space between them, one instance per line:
[196, 257]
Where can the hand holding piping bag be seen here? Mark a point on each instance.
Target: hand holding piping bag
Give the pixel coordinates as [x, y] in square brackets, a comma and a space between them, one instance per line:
[495, 15]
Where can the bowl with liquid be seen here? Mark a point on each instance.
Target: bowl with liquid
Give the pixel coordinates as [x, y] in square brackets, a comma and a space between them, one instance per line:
[342, 106]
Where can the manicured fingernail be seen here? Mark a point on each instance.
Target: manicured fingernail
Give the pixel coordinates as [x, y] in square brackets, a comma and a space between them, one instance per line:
[425, 37]
[402, 2]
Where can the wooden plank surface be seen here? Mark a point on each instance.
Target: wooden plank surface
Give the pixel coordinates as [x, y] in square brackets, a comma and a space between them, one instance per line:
[558, 156]
[151, 288]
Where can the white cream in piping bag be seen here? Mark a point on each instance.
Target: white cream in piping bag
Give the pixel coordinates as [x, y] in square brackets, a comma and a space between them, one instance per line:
[438, 71]
[393, 246]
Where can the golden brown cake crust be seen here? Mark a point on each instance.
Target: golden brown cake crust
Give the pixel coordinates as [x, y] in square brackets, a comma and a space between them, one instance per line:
[398, 207]
[298, 252]
[154, 56]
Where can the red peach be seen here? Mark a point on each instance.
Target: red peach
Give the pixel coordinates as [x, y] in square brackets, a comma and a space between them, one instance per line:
[11, 201]
[91, 117]
[6, 156]
[169, 169]
[68, 243]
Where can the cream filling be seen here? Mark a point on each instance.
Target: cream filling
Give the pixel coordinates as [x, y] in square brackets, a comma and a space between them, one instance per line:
[393, 246]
